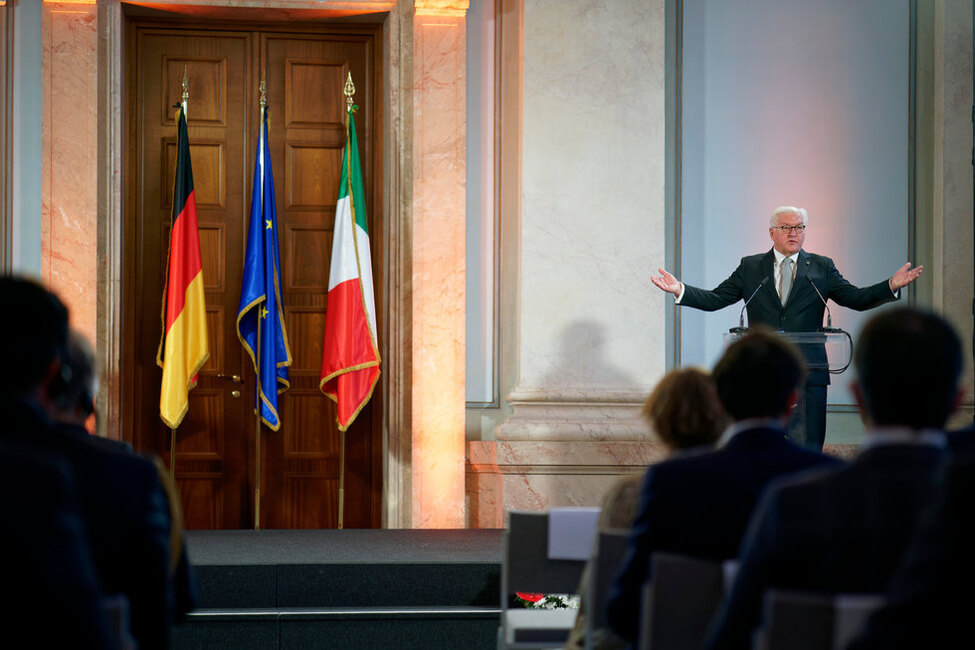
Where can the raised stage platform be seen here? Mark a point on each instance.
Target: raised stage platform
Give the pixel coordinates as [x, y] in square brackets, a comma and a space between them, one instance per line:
[345, 589]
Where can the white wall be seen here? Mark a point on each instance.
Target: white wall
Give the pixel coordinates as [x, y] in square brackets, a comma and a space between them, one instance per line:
[593, 198]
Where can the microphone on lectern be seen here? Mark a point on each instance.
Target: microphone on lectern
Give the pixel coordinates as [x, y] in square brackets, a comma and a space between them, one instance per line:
[741, 329]
[829, 317]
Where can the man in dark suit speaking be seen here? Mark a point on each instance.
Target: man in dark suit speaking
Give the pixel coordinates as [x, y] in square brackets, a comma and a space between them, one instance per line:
[781, 289]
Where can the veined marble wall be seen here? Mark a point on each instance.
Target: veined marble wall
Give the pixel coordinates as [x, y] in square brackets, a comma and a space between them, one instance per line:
[69, 219]
[952, 183]
[589, 326]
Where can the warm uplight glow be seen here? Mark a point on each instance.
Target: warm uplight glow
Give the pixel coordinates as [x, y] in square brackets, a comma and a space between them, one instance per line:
[455, 8]
[328, 9]
[64, 2]
[438, 277]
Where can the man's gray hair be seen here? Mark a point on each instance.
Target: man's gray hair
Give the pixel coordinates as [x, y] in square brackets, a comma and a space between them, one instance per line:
[787, 209]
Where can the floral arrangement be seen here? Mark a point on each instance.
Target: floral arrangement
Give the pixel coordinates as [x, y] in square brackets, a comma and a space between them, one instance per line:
[547, 601]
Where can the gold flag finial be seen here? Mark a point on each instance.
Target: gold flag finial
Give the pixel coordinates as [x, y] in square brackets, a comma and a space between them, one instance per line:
[349, 91]
[186, 86]
[262, 87]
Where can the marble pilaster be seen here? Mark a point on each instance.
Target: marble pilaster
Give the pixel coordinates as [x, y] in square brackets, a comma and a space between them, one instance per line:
[952, 187]
[439, 82]
[69, 125]
[590, 328]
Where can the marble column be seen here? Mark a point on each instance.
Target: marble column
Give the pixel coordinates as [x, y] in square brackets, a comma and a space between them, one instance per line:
[439, 81]
[69, 125]
[952, 195]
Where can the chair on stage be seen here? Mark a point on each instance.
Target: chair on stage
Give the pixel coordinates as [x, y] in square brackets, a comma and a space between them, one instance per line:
[545, 553]
[607, 557]
[680, 600]
[796, 620]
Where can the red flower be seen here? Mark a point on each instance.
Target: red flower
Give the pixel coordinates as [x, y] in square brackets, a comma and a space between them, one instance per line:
[532, 598]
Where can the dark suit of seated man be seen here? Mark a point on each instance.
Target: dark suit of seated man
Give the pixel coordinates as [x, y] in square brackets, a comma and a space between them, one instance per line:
[846, 530]
[929, 602]
[73, 404]
[699, 503]
[794, 306]
[121, 501]
[50, 591]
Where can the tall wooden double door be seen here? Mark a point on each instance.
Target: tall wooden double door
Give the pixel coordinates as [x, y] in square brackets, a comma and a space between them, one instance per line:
[216, 451]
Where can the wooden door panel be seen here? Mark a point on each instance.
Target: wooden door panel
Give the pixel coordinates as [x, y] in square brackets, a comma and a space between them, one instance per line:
[215, 445]
[207, 81]
[303, 462]
[208, 462]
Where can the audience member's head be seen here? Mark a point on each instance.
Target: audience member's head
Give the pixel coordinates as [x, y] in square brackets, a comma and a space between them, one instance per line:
[33, 334]
[74, 399]
[908, 363]
[759, 375]
[684, 410]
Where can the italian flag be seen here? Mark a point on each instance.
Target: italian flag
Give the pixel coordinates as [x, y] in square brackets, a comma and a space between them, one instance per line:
[183, 348]
[350, 354]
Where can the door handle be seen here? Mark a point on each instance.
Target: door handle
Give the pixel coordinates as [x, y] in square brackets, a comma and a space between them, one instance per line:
[234, 378]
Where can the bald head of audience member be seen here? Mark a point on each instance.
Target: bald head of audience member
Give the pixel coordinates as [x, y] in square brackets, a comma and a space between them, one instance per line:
[33, 335]
[908, 363]
[684, 411]
[759, 376]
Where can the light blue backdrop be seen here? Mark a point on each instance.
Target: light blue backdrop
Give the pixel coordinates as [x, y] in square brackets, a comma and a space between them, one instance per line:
[792, 102]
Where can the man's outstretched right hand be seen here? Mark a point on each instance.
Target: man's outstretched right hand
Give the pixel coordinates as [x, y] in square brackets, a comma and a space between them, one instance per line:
[666, 282]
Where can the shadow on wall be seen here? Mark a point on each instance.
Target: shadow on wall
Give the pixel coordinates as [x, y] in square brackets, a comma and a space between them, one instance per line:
[582, 365]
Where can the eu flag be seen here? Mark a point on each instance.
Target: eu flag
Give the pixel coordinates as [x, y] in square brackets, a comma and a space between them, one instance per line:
[260, 319]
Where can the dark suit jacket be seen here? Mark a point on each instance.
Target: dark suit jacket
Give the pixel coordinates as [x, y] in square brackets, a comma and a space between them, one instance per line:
[840, 531]
[961, 443]
[125, 512]
[803, 311]
[698, 504]
[929, 601]
[50, 588]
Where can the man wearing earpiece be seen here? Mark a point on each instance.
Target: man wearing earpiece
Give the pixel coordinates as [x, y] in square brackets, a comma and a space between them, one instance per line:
[786, 289]
[73, 403]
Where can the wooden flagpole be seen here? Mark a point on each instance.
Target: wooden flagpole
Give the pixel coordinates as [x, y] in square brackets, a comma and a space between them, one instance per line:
[349, 90]
[260, 316]
[184, 100]
[172, 453]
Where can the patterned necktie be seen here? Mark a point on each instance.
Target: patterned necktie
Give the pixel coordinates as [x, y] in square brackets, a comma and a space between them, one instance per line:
[785, 285]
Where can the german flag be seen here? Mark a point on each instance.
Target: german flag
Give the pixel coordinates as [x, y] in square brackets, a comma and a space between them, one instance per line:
[183, 348]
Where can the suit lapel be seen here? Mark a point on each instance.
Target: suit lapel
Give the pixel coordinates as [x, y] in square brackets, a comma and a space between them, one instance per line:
[767, 267]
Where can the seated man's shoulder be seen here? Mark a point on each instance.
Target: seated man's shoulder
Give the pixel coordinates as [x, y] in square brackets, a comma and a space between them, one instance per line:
[687, 458]
[810, 478]
[961, 443]
[113, 465]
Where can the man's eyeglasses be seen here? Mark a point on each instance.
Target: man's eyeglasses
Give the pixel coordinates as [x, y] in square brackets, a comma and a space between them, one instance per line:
[796, 229]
